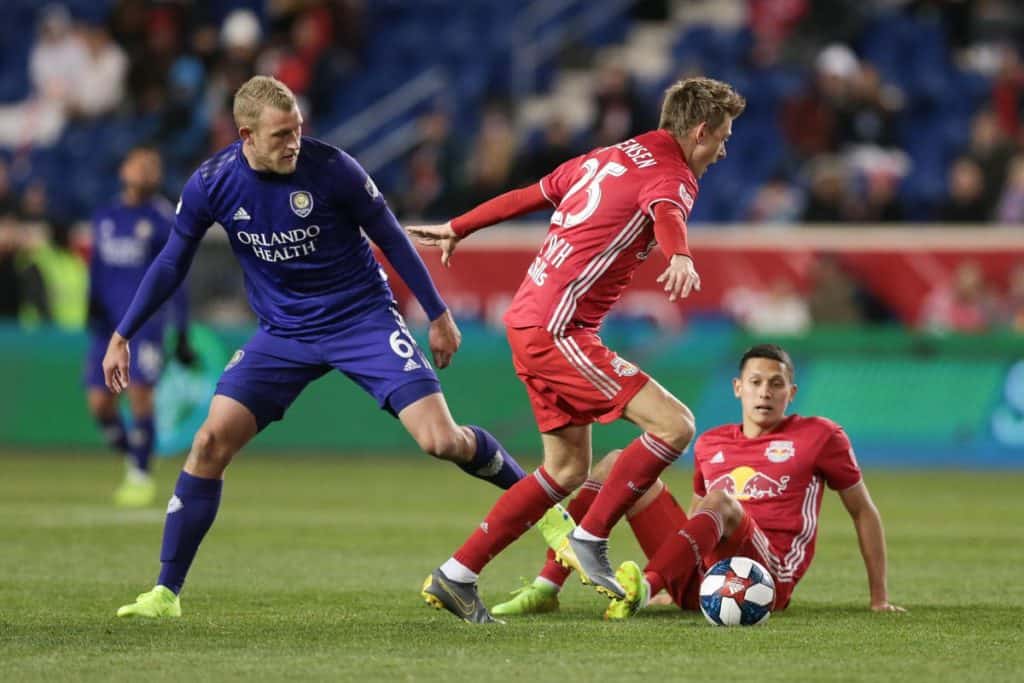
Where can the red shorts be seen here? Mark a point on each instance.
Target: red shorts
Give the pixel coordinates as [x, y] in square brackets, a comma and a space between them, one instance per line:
[573, 379]
[663, 519]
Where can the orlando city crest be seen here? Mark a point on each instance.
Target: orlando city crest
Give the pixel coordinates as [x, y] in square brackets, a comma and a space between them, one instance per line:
[301, 202]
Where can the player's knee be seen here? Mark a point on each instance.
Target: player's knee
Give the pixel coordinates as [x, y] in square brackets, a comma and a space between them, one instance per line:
[680, 429]
[727, 507]
[446, 444]
[569, 476]
[209, 451]
[603, 468]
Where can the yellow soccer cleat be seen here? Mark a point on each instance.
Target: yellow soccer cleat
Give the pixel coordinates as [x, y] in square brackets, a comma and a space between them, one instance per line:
[135, 493]
[631, 578]
[158, 603]
[533, 598]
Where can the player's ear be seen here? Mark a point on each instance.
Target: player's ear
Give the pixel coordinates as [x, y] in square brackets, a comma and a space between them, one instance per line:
[736, 384]
[245, 132]
[700, 132]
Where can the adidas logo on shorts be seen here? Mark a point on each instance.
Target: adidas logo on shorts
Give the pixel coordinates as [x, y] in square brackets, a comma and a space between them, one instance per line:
[411, 365]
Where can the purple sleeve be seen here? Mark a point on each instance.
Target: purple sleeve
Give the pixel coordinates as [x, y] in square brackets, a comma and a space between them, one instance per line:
[161, 279]
[366, 205]
[171, 265]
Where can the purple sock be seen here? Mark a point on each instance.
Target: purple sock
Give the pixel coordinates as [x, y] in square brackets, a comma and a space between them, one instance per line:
[492, 462]
[190, 514]
[114, 433]
[141, 442]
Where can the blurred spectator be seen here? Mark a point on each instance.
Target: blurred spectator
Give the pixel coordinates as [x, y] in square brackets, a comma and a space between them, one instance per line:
[100, 80]
[555, 147]
[779, 310]
[9, 285]
[8, 202]
[1008, 91]
[964, 303]
[833, 298]
[53, 279]
[810, 119]
[489, 166]
[828, 199]
[431, 171]
[1015, 298]
[867, 115]
[777, 201]
[1011, 204]
[991, 149]
[34, 206]
[621, 113]
[966, 201]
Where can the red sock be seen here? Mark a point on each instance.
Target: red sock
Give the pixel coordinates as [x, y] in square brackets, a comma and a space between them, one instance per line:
[516, 511]
[578, 506]
[673, 566]
[636, 470]
[657, 522]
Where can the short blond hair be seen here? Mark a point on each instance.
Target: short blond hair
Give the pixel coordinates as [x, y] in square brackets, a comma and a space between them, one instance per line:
[256, 93]
[693, 101]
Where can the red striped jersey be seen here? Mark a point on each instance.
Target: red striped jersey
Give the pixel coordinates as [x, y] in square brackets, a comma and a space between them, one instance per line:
[601, 230]
[779, 478]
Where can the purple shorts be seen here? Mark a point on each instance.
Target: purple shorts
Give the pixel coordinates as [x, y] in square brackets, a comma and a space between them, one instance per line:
[376, 352]
[147, 357]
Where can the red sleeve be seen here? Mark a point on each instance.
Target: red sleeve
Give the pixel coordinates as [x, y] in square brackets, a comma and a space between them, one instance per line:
[837, 463]
[698, 476]
[502, 207]
[670, 230]
[678, 190]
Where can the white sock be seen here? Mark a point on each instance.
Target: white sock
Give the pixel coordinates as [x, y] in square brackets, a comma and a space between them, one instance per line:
[584, 535]
[648, 600]
[456, 571]
[547, 583]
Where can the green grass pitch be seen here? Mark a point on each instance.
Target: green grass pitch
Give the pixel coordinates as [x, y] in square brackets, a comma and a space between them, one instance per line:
[313, 567]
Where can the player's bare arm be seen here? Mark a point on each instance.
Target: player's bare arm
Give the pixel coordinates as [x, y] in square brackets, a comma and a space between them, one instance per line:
[680, 278]
[871, 537]
[115, 364]
[444, 339]
[442, 236]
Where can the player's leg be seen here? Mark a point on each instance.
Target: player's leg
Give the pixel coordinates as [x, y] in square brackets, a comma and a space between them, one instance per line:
[138, 488]
[103, 409]
[475, 450]
[681, 556]
[567, 453]
[668, 427]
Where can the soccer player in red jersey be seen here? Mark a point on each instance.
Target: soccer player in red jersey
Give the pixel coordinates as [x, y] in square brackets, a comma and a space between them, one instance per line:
[757, 487]
[612, 205]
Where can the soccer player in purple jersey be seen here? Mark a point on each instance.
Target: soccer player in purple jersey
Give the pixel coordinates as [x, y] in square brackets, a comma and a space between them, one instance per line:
[126, 237]
[292, 208]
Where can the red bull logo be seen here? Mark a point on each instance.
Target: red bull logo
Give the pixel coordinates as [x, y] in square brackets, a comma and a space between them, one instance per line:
[780, 451]
[746, 483]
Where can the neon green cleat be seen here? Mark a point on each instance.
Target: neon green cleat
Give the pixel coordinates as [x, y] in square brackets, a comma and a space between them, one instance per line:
[555, 525]
[135, 493]
[631, 578]
[532, 598]
[156, 604]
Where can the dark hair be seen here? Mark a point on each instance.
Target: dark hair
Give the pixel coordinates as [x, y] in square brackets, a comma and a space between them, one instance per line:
[771, 352]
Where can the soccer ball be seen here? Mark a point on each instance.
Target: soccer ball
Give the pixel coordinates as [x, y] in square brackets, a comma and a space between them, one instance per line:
[737, 592]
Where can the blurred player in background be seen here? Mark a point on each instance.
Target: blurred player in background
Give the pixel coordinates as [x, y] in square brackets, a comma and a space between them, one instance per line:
[126, 237]
[293, 207]
[612, 205]
[757, 488]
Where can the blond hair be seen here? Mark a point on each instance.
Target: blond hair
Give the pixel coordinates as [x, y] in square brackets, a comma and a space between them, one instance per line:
[693, 101]
[256, 93]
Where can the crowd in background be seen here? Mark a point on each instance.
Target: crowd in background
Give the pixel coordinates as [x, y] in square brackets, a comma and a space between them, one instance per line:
[164, 73]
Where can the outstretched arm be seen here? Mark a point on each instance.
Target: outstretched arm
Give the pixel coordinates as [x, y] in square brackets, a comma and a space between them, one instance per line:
[871, 537]
[501, 208]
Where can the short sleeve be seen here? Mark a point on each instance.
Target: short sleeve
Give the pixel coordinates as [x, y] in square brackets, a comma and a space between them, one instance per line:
[669, 188]
[556, 184]
[837, 463]
[192, 215]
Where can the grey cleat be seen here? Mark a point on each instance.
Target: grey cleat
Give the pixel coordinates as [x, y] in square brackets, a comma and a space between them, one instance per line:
[590, 559]
[461, 599]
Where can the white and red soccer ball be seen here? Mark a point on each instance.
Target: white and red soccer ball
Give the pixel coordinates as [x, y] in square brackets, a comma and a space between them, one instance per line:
[737, 592]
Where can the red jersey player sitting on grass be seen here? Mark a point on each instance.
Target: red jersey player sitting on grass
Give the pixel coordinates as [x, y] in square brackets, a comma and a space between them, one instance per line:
[757, 493]
[611, 206]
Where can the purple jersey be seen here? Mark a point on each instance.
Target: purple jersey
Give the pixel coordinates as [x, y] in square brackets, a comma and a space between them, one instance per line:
[308, 268]
[125, 240]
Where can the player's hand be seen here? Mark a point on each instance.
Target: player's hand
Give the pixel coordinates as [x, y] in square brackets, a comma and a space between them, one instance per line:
[886, 606]
[680, 278]
[115, 364]
[436, 236]
[444, 339]
[184, 352]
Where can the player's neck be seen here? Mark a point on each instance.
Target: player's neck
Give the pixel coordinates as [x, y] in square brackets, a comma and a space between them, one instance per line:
[252, 161]
[752, 430]
[133, 197]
